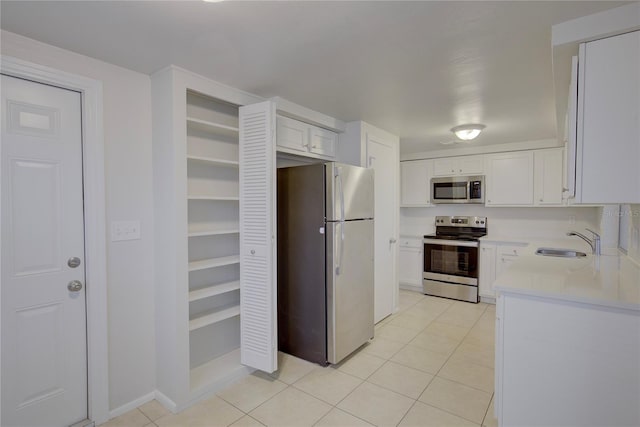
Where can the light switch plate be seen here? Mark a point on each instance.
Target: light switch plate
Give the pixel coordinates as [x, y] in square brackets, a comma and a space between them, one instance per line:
[125, 230]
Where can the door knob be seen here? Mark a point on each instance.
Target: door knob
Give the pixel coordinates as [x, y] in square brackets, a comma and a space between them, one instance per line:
[73, 262]
[392, 240]
[74, 286]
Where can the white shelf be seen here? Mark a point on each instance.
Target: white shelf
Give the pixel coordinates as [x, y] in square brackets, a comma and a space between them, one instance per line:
[213, 290]
[222, 369]
[213, 262]
[211, 126]
[202, 233]
[214, 161]
[214, 198]
[216, 315]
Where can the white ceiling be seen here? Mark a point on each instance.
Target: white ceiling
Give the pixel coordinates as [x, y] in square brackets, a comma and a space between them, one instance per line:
[414, 68]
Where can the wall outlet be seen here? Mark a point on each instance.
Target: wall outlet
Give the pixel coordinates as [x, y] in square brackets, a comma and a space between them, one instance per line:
[125, 230]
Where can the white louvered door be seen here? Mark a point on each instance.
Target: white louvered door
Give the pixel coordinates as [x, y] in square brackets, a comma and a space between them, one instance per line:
[258, 296]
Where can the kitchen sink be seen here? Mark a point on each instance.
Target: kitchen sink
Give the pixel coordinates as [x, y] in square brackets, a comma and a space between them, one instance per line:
[562, 253]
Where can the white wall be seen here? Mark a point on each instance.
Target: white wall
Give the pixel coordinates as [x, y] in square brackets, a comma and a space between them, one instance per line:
[634, 233]
[128, 169]
[505, 222]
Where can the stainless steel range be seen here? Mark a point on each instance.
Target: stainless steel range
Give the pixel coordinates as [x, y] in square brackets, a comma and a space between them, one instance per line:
[451, 257]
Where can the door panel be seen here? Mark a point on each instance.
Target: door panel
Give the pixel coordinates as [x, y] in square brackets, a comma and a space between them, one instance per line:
[258, 257]
[350, 288]
[44, 365]
[383, 158]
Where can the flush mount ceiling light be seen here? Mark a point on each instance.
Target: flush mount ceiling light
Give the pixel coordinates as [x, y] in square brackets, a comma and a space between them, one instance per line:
[212, 1]
[467, 132]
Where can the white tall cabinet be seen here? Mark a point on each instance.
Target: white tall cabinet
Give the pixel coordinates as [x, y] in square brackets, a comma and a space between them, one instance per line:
[367, 146]
[197, 225]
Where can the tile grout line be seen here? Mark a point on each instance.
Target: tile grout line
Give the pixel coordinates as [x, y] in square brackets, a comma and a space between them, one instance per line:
[457, 382]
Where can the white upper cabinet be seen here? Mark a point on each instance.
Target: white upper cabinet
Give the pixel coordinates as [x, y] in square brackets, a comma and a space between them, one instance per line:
[463, 165]
[510, 179]
[296, 137]
[415, 185]
[548, 177]
[608, 121]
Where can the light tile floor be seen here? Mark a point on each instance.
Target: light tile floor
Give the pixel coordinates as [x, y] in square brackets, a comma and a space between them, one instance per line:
[431, 364]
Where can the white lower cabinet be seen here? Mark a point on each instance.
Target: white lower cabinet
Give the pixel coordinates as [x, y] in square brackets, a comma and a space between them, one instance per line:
[410, 263]
[578, 362]
[495, 257]
[487, 269]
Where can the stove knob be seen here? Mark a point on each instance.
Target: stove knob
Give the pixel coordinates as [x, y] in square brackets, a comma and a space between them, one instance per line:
[482, 222]
[477, 222]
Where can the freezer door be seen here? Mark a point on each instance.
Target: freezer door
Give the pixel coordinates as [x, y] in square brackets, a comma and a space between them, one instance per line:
[349, 287]
[349, 192]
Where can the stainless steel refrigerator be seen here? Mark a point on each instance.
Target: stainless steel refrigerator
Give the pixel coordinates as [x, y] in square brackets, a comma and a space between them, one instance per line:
[325, 260]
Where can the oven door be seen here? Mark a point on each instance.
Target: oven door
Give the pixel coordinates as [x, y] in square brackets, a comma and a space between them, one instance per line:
[451, 269]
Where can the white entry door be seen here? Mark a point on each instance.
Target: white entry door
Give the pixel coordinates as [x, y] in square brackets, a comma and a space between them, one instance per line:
[44, 350]
[382, 156]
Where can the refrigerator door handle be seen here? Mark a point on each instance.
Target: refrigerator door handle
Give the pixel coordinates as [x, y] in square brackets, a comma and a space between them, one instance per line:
[338, 177]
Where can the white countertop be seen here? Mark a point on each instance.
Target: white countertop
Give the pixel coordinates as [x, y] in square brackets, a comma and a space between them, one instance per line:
[606, 280]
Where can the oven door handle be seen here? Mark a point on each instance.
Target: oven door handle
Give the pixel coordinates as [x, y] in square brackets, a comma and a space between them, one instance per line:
[443, 242]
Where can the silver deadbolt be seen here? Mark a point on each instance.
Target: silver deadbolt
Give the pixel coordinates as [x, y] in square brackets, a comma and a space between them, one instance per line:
[73, 262]
[74, 286]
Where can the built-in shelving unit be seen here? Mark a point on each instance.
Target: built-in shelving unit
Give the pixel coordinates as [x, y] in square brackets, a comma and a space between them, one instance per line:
[213, 230]
[197, 228]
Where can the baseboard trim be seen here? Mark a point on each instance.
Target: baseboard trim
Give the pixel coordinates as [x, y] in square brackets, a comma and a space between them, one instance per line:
[414, 288]
[166, 402]
[132, 405]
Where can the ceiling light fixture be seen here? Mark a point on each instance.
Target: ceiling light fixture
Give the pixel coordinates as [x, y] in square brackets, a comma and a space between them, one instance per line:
[467, 132]
[213, 1]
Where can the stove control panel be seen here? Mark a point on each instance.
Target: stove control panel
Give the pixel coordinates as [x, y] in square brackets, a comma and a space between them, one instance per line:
[461, 221]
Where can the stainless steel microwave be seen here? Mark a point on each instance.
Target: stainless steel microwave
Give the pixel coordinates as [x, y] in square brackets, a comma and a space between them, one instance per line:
[457, 189]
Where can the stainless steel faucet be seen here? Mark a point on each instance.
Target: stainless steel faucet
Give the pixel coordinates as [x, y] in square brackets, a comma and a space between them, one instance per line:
[595, 243]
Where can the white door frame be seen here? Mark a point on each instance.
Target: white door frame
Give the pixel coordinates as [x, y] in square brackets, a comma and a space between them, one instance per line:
[94, 221]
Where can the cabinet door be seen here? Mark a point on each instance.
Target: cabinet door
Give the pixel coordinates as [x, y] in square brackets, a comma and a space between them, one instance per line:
[548, 177]
[415, 186]
[292, 134]
[471, 165]
[410, 266]
[322, 141]
[510, 179]
[258, 292]
[608, 124]
[487, 270]
[444, 167]
[382, 155]
[503, 261]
